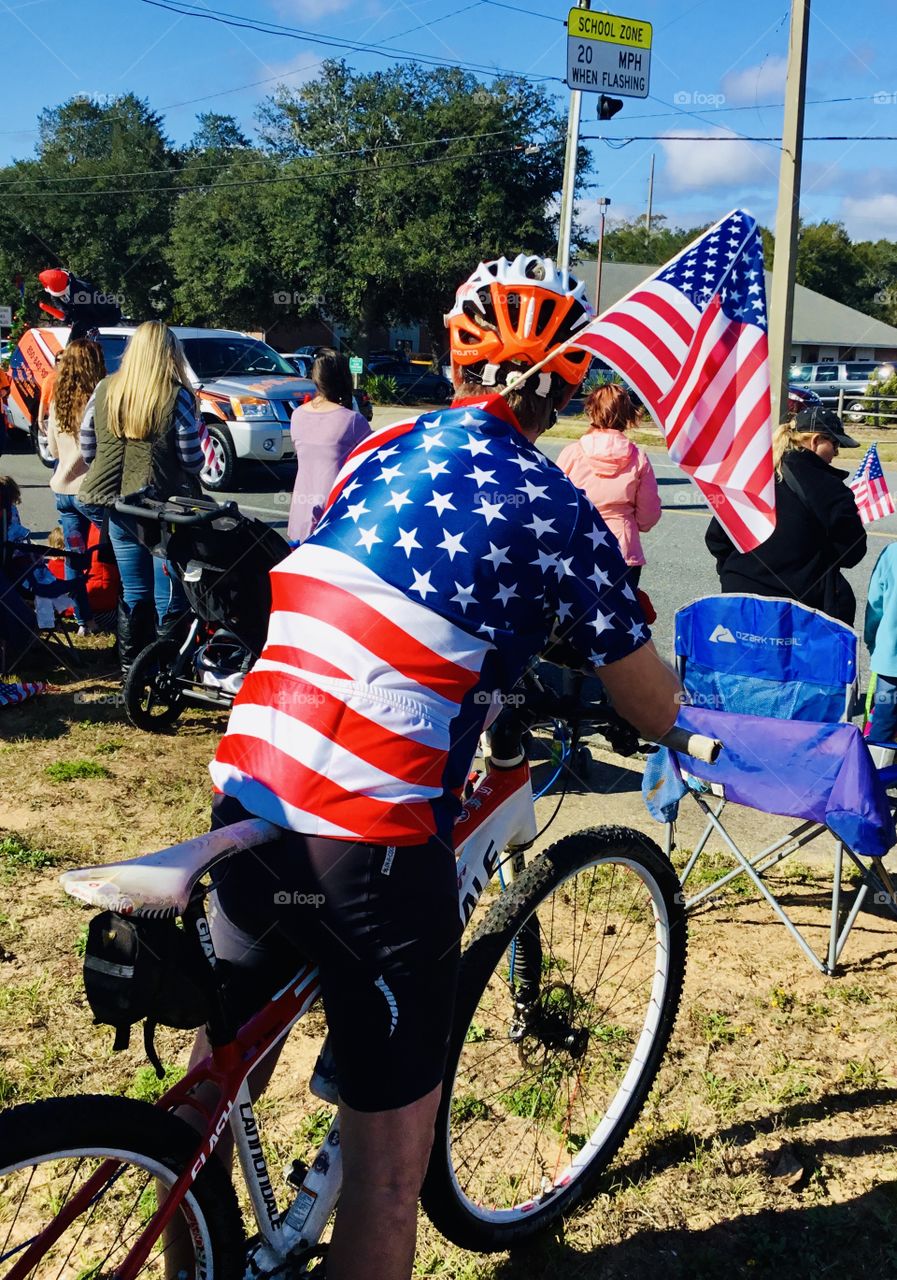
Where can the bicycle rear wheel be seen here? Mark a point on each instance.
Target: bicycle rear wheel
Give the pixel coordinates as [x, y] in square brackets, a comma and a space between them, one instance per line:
[567, 998]
[48, 1153]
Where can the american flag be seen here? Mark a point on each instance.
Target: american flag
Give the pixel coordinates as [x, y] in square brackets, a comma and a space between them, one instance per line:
[870, 488]
[692, 341]
[450, 551]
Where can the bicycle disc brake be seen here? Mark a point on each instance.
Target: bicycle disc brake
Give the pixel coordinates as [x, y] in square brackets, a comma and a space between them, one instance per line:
[547, 1023]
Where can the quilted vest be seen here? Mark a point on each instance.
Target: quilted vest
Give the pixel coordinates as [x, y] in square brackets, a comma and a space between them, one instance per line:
[123, 466]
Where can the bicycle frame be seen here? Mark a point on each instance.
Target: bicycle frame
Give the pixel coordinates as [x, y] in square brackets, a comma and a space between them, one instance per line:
[499, 815]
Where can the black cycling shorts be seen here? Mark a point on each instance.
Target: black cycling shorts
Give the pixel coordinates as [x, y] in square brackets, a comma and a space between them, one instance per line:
[383, 926]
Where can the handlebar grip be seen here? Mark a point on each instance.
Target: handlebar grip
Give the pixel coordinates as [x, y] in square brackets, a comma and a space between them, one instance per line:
[696, 745]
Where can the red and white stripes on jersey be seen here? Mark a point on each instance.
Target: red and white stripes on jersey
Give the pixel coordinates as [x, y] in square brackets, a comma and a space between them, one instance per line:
[343, 726]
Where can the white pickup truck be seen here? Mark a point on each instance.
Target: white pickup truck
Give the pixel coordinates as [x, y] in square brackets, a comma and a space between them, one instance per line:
[247, 391]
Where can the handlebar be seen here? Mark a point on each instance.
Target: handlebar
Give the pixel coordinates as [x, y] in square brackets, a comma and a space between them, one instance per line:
[163, 513]
[695, 745]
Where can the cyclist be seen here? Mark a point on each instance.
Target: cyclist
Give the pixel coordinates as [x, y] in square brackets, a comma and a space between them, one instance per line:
[450, 552]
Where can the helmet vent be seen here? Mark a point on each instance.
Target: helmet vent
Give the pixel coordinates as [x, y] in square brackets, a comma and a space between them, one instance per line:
[546, 311]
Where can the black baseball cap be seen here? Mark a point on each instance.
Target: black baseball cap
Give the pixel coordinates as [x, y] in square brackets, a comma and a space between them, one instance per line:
[825, 422]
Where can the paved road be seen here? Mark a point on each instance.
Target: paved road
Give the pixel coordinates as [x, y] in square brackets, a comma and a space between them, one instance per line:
[679, 568]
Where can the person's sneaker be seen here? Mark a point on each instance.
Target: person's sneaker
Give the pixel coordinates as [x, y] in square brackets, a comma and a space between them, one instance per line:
[88, 628]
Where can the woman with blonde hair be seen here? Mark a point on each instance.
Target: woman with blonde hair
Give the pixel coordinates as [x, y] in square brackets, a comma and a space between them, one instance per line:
[78, 370]
[140, 429]
[818, 528]
[615, 474]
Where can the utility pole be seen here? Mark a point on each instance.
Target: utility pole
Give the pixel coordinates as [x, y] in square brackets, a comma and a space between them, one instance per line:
[781, 308]
[602, 208]
[650, 199]
[566, 220]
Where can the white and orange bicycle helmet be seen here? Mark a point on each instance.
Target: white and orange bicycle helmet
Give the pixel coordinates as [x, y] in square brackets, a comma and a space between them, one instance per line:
[508, 316]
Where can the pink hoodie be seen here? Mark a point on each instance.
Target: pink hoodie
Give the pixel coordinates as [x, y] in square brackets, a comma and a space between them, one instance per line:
[617, 477]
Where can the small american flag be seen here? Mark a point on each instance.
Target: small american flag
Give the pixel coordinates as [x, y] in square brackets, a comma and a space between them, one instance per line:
[692, 341]
[870, 489]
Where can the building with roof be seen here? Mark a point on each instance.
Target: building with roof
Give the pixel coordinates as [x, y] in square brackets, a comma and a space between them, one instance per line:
[822, 329]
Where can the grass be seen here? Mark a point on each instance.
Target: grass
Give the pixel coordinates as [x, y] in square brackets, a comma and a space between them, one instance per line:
[16, 855]
[146, 1085]
[73, 770]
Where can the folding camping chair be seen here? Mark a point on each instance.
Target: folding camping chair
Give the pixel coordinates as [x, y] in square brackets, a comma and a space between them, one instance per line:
[24, 570]
[745, 662]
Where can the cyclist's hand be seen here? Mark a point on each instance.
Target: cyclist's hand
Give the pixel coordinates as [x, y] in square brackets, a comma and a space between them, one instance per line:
[644, 690]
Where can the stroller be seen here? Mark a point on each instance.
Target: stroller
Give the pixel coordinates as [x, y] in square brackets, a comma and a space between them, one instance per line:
[223, 559]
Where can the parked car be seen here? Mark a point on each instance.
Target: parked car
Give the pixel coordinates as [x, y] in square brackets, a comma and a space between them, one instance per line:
[302, 364]
[413, 381]
[829, 378]
[247, 391]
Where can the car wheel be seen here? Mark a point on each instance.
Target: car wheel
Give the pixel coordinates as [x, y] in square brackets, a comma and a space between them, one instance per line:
[855, 412]
[41, 448]
[226, 460]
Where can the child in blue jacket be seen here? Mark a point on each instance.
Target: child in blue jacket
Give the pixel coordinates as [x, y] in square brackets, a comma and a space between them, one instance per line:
[880, 633]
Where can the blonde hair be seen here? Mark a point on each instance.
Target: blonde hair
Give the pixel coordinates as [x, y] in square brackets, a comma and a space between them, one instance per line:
[140, 396]
[786, 439]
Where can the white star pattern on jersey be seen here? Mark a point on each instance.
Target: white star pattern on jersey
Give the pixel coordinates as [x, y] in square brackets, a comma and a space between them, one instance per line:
[411, 597]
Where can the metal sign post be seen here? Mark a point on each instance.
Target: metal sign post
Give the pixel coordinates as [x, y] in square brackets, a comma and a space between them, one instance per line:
[605, 54]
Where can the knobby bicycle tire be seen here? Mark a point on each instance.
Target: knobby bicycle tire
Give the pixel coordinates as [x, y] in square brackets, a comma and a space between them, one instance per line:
[75, 1127]
[478, 1226]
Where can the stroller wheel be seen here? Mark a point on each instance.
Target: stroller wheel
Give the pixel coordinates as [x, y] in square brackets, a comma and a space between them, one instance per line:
[153, 699]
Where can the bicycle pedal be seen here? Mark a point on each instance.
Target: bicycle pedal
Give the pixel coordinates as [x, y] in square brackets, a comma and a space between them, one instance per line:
[294, 1174]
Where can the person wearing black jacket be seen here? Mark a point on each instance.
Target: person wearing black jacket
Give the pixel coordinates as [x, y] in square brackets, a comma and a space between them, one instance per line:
[818, 528]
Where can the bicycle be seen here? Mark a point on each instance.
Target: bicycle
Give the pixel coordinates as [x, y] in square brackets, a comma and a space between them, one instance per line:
[568, 994]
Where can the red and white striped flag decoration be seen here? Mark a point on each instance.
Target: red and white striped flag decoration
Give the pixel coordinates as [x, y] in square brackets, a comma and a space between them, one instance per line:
[692, 341]
[870, 488]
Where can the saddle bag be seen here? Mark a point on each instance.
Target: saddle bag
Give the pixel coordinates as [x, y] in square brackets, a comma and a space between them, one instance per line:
[145, 970]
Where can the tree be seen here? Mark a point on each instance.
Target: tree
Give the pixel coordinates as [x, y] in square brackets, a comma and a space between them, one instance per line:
[93, 199]
[401, 180]
[828, 262]
[628, 240]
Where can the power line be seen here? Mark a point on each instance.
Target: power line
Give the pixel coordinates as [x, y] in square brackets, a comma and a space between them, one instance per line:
[304, 176]
[756, 106]
[242, 23]
[533, 13]
[737, 137]
[262, 158]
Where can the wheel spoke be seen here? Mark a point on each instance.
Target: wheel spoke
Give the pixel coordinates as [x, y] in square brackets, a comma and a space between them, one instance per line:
[529, 1112]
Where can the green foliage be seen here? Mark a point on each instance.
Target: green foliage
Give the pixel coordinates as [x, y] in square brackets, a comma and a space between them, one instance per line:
[71, 770]
[382, 388]
[880, 402]
[16, 854]
[629, 241]
[147, 1087]
[115, 240]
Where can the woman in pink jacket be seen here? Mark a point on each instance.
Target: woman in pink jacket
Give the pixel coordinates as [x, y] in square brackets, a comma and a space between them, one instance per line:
[614, 473]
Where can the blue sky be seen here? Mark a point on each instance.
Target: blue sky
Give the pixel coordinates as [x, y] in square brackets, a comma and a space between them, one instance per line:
[703, 66]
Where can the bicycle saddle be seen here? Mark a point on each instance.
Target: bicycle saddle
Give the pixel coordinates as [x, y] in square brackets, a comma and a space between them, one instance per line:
[160, 884]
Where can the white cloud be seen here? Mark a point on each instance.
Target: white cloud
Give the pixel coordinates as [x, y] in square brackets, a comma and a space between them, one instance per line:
[762, 83]
[870, 217]
[702, 166]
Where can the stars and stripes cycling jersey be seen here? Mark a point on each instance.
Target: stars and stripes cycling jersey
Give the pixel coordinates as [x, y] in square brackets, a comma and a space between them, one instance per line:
[450, 553]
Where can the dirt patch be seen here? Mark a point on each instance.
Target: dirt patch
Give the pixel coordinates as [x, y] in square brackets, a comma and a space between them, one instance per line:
[767, 1145]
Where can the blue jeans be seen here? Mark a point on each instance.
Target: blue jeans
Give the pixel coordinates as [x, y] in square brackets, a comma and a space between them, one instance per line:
[143, 575]
[75, 528]
[884, 710]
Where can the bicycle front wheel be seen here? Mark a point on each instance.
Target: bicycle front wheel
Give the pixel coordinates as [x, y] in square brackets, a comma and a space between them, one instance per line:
[567, 998]
[80, 1179]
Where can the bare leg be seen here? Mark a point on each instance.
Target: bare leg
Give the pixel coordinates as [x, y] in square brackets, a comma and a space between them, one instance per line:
[385, 1156]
